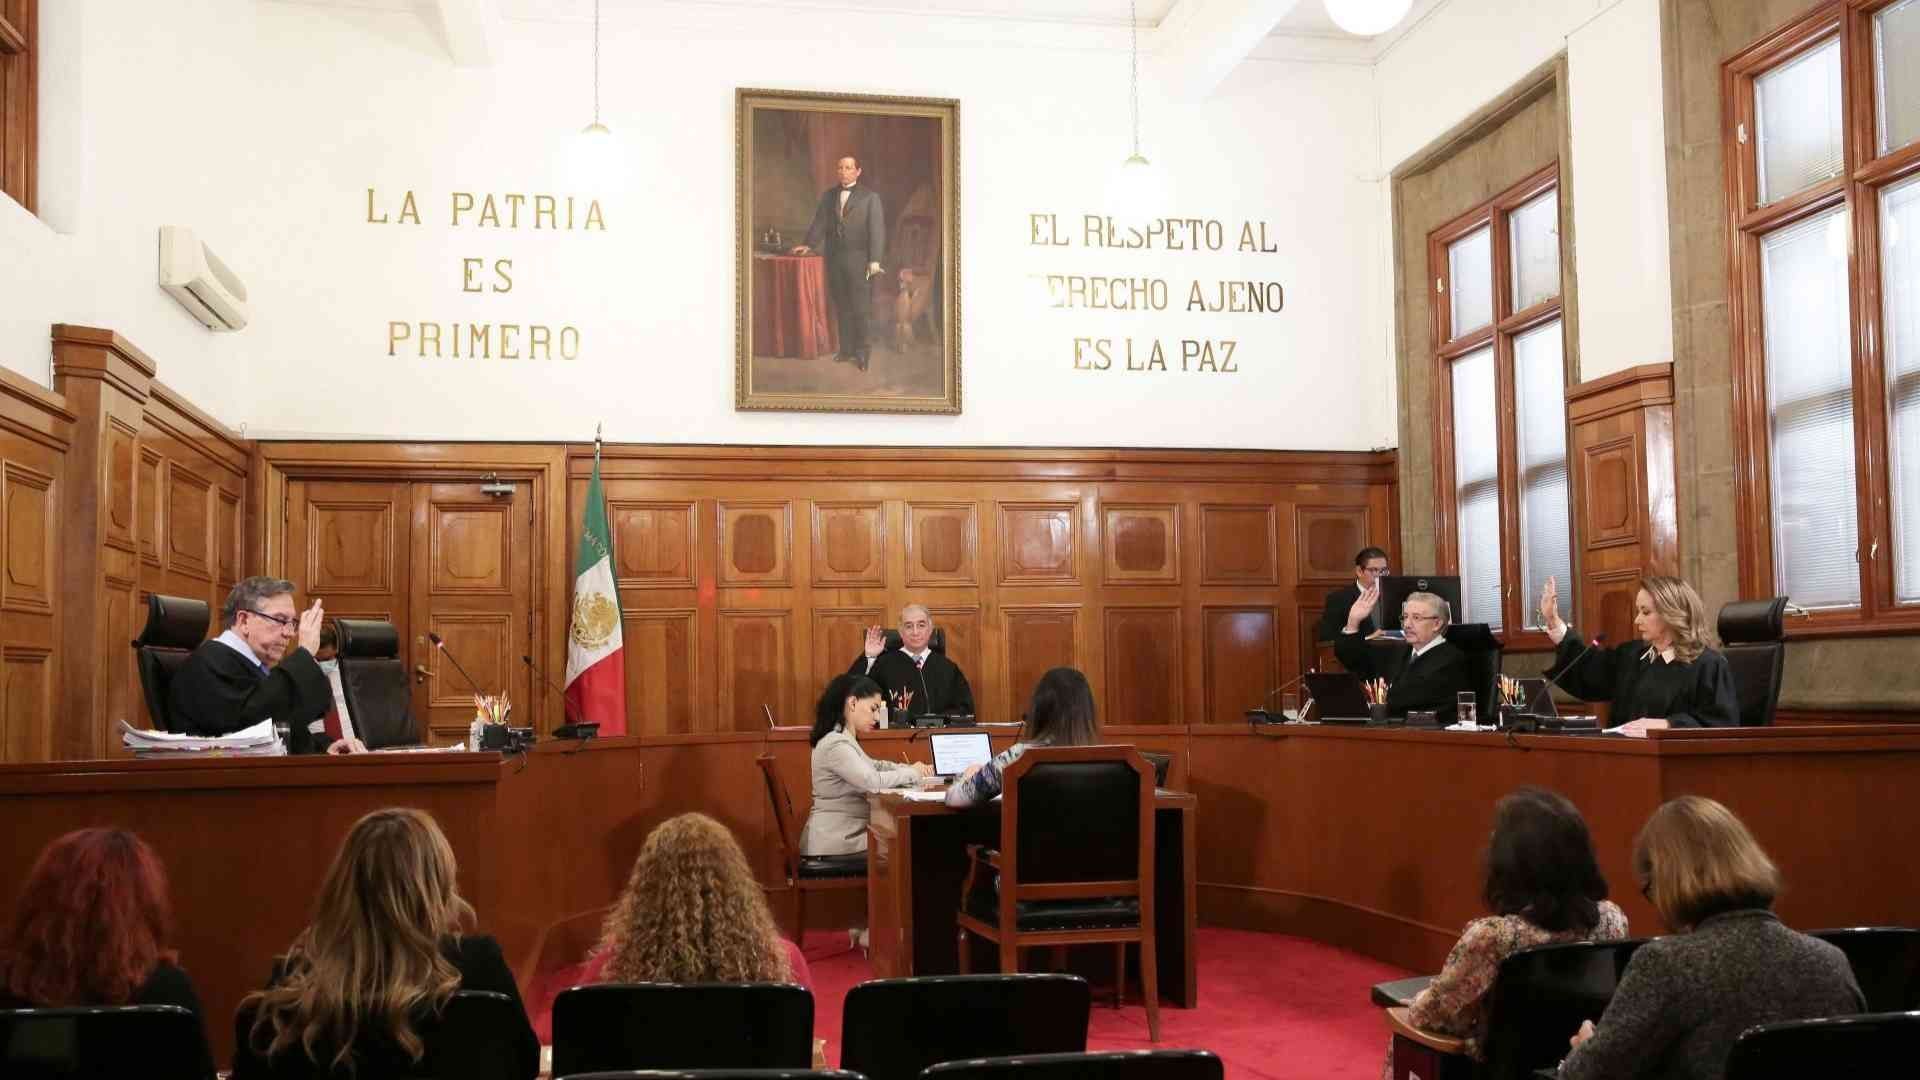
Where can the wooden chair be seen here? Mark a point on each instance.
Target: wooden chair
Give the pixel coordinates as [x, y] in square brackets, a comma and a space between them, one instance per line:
[1075, 863]
[806, 873]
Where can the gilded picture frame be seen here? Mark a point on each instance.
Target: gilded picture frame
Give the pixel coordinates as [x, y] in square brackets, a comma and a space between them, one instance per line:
[821, 323]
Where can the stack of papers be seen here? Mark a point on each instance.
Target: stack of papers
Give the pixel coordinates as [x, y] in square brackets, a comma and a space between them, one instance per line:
[256, 741]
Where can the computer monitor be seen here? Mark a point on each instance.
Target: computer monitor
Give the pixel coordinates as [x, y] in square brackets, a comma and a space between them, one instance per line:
[1395, 589]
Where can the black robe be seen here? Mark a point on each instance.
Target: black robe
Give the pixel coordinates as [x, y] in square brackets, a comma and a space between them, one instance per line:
[1333, 620]
[218, 692]
[940, 687]
[1430, 682]
[1695, 694]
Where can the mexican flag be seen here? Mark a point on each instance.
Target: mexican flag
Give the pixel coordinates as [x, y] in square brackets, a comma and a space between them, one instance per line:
[596, 669]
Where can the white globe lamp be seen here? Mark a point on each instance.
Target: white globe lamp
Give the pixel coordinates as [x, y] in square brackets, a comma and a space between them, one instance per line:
[1366, 18]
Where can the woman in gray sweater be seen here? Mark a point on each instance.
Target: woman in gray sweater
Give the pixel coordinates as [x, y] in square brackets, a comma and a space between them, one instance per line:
[1730, 964]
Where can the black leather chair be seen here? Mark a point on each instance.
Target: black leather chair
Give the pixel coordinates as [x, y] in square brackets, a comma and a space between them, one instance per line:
[154, 1042]
[472, 1040]
[668, 1026]
[1106, 1065]
[1539, 999]
[1752, 634]
[891, 1029]
[175, 627]
[374, 678]
[1075, 863]
[1867, 1045]
[1483, 650]
[716, 1074]
[1886, 963]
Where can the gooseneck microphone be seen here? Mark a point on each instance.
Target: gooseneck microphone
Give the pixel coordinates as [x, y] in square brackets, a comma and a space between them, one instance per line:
[442, 646]
[574, 728]
[1260, 714]
[1553, 682]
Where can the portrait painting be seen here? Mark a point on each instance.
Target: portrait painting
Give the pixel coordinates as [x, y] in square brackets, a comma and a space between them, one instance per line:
[848, 233]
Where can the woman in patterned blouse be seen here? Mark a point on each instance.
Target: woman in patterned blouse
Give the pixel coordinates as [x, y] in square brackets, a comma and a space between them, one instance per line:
[1061, 715]
[1544, 887]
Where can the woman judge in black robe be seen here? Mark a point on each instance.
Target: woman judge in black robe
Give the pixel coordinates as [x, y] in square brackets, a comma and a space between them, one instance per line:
[1670, 677]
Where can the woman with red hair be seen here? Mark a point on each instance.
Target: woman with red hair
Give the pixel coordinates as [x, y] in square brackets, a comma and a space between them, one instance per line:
[90, 928]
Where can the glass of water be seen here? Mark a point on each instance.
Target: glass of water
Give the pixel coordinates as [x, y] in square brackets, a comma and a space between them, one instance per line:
[1290, 705]
[1466, 708]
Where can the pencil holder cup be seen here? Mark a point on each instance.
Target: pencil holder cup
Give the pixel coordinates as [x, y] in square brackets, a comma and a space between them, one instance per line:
[1377, 713]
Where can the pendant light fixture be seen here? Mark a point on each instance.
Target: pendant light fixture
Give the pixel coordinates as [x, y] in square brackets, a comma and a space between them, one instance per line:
[596, 128]
[1135, 160]
[1367, 17]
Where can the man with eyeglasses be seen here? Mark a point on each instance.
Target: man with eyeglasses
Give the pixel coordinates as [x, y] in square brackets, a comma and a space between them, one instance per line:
[915, 677]
[247, 674]
[1423, 672]
[1368, 568]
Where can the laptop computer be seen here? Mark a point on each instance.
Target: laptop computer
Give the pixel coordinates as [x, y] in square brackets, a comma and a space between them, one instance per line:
[954, 752]
[1337, 697]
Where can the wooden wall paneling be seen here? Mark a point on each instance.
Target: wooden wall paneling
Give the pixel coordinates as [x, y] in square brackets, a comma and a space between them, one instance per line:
[1238, 544]
[663, 669]
[756, 542]
[471, 576]
[848, 544]
[1142, 543]
[1325, 538]
[653, 543]
[1241, 659]
[756, 670]
[1145, 666]
[1039, 543]
[106, 382]
[36, 433]
[838, 634]
[1035, 637]
[1621, 451]
[966, 645]
[942, 543]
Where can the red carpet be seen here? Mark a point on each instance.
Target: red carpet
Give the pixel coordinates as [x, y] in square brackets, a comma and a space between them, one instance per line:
[1271, 1006]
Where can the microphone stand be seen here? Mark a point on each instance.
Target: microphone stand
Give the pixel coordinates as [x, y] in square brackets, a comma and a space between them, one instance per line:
[1553, 682]
[574, 728]
[1256, 714]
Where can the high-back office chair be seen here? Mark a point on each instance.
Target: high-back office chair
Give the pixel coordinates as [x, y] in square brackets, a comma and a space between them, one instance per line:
[472, 1040]
[1483, 650]
[891, 1029]
[1886, 963]
[1869, 1044]
[682, 1026]
[1104, 1065]
[374, 679]
[806, 873]
[175, 627]
[1075, 864]
[154, 1042]
[1752, 634]
[1540, 997]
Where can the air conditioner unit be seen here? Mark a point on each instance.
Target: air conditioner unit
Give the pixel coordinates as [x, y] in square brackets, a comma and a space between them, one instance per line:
[196, 277]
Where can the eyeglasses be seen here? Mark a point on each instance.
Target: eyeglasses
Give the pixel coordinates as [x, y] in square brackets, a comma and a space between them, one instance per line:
[1376, 571]
[277, 620]
[1409, 616]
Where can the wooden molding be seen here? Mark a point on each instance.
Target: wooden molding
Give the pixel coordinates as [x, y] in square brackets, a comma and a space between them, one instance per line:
[1631, 388]
[12, 41]
[87, 352]
[198, 429]
[32, 411]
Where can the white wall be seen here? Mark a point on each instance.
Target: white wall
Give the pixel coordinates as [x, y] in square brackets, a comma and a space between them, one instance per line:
[328, 101]
[1466, 53]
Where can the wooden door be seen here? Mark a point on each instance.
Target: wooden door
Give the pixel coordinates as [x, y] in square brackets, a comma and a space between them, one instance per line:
[440, 558]
[473, 585]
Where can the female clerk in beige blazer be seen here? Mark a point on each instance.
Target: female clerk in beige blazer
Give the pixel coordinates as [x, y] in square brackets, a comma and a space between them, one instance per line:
[843, 774]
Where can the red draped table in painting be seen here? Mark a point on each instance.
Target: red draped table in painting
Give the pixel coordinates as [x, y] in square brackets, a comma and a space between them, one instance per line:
[790, 307]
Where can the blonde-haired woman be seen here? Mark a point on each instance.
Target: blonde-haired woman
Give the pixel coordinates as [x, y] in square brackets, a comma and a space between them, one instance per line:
[693, 912]
[1684, 999]
[361, 990]
[1671, 677]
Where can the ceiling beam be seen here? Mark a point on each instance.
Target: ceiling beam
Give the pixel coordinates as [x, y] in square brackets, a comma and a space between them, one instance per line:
[1200, 42]
[469, 29]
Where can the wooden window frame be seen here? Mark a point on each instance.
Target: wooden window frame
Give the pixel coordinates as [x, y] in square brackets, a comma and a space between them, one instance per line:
[1507, 324]
[1858, 187]
[19, 104]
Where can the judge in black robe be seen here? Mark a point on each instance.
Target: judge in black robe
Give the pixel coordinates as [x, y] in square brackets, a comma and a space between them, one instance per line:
[939, 686]
[231, 682]
[1648, 679]
[1425, 671]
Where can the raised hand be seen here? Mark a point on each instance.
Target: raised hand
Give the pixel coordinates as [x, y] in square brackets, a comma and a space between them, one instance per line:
[1550, 604]
[876, 641]
[1362, 607]
[308, 634]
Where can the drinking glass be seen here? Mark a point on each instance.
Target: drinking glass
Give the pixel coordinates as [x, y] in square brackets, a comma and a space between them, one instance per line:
[1290, 704]
[1466, 708]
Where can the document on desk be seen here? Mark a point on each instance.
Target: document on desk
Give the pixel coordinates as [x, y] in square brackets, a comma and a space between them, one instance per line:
[918, 795]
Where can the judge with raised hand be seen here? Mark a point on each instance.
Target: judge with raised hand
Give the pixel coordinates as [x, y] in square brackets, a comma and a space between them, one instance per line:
[1671, 676]
[1424, 671]
[247, 674]
[915, 678]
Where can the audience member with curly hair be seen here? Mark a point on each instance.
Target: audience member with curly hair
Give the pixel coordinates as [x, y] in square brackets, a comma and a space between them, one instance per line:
[91, 928]
[693, 912]
[361, 990]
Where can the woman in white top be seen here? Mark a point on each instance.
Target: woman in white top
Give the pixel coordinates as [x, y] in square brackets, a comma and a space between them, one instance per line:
[843, 774]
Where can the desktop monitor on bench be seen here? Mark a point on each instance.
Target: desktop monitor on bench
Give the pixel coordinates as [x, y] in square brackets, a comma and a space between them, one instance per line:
[1395, 589]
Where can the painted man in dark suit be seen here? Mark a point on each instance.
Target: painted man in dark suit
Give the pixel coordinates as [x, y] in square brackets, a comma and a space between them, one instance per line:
[247, 674]
[849, 228]
[1368, 568]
